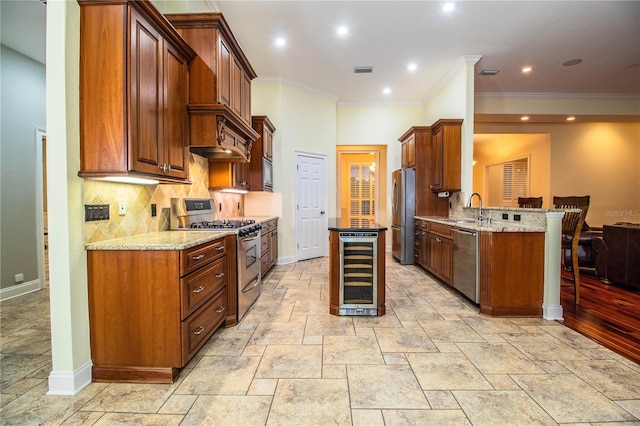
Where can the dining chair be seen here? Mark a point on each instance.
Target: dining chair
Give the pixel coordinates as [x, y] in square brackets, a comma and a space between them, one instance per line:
[530, 202]
[572, 222]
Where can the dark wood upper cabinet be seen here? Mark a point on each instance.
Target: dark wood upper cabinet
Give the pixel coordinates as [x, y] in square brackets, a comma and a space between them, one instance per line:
[446, 146]
[261, 165]
[134, 85]
[220, 94]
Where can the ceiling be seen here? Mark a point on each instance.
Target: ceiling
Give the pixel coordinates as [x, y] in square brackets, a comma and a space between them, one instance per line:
[388, 35]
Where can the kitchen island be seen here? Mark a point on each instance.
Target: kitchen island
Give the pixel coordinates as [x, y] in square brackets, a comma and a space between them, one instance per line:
[502, 270]
[356, 268]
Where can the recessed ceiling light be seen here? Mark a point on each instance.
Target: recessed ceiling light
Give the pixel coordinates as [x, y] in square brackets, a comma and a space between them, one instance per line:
[386, 90]
[572, 62]
[524, 118]
[412, 66]
[526, 70]
[363, 70]
[281, 41]
[342, 30]
[448, 7]
[571, 118]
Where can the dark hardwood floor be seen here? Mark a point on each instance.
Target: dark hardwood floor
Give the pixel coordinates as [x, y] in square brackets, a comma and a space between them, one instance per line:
[607, 313]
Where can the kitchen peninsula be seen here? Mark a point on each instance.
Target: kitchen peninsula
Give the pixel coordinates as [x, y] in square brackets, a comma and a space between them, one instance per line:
[509, 255]
[356, 268]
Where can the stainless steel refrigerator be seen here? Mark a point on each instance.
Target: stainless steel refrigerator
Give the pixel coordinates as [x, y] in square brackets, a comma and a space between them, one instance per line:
[403, 208]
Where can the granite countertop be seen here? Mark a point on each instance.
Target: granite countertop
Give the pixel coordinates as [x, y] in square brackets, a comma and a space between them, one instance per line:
[473, 225]
[169, 240]
[343, 224]
[163, 240]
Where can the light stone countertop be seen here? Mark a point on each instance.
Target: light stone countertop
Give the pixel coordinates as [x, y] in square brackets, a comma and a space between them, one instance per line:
[163, 240]
[472, 225]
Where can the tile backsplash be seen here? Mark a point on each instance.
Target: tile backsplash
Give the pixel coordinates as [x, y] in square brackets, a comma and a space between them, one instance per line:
[139, 198]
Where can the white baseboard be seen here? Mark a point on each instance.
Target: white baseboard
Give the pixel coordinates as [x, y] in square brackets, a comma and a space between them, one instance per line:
[70, 383]
[552, 312]
[285, 260]
[19, 290]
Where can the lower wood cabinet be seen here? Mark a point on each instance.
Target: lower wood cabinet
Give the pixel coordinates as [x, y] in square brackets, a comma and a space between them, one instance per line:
[439, 251]
[511, 273]
[420, 242]
[150, 311]
[268, 245]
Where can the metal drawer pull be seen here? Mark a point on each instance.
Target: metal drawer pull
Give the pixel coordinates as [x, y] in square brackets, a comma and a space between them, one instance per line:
[198, 257]
[220, 275]
[220, 309]
[199, 330]
[199, 289]
[220, 248]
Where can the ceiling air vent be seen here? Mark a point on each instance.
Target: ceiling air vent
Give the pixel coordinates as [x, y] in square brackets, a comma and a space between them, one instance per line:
[489, 72]
[362, 70]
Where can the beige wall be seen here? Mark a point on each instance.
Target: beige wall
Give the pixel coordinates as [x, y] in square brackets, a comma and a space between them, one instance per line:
[378, 125]
[305, 121]
[596, 159]
[491, 149]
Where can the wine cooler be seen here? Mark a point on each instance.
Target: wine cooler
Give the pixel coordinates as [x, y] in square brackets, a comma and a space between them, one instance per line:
[358, 273]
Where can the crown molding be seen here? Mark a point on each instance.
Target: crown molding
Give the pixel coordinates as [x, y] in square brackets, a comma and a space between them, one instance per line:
[283, 80]
[531, 95]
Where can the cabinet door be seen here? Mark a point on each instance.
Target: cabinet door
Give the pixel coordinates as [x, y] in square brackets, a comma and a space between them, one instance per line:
[446, 260]
[273, 248]
[409, 152]
[245, 98]
[236, 87]
[146, 101]
[224, 74]
[241, 175]
[175, 119]
[433, 253]
[267, 141]
[437, 144]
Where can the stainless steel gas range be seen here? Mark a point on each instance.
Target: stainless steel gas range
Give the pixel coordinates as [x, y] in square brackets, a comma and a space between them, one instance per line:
[198, 214]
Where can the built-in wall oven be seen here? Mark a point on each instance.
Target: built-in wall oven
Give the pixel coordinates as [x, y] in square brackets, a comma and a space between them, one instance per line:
[267, 174]
[199, 214]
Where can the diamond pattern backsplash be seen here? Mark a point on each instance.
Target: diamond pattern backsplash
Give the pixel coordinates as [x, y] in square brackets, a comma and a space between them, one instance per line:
[138, 200]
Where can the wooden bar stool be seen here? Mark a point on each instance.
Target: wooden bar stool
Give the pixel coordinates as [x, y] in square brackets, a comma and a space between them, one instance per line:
[572, 222]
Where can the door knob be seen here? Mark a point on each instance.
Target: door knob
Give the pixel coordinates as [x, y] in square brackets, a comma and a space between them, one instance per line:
[321, 211]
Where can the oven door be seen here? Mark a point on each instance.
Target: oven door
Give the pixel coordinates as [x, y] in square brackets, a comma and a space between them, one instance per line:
[249, 280]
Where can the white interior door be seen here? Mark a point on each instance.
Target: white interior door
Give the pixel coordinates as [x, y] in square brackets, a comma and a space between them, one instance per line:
[311, 206]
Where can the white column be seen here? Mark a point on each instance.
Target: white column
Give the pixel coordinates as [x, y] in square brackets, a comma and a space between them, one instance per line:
[551, 307]
[70, 348]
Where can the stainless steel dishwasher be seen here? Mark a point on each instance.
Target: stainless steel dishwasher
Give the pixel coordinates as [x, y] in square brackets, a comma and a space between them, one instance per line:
[466, 264]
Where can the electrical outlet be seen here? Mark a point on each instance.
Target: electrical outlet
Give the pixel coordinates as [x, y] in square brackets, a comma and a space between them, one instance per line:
[516, 217]
[122, 207]
[154, 211]
[505, 216]
[19, 278]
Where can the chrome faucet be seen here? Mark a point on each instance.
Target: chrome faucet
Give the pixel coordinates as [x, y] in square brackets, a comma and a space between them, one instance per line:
[479, 203]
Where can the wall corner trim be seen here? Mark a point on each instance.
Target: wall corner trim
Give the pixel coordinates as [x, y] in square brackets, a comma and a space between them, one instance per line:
[70, 383]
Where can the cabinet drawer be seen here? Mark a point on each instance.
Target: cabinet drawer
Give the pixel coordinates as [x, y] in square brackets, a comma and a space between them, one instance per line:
[441, 230]
[195, 257]
[421, 224]
[269, 226]
[264, 243]
[201, 285]
[200, 326]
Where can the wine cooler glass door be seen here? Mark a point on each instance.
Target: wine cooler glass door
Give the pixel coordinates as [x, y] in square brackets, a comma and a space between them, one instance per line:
[358, 277]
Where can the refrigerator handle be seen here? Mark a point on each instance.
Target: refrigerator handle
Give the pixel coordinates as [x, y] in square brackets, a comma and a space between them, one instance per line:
[394, 204]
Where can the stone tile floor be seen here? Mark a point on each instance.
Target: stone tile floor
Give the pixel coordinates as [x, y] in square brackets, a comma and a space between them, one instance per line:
[432, 359]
